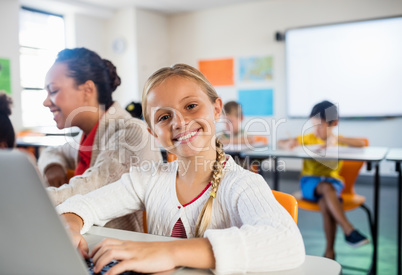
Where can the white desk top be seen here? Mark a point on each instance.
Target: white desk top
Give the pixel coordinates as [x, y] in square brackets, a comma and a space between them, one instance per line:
[237, 148]
[394, 154]
[313, 265]
[302, 152]
[39, 141]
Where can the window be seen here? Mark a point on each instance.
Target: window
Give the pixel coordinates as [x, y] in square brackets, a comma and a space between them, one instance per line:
[41, 36]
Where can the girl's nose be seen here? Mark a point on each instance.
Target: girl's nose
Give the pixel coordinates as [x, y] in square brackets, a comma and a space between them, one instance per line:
[179, 121]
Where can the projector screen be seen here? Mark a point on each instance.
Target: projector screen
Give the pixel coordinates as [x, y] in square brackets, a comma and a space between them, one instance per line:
[356, 65]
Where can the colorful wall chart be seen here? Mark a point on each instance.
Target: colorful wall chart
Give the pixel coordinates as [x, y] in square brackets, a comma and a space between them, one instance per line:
[253, 69]
[257, 102]
[5, 76]
[247, 80]
[218, 71]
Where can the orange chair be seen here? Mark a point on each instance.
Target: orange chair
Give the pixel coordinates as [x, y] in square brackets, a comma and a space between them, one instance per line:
[350, 200]
[288, 202]
[70, 174]
[170, 157]
[260, 140]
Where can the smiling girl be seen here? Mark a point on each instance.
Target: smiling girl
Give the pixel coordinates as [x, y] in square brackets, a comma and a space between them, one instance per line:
[228, 216]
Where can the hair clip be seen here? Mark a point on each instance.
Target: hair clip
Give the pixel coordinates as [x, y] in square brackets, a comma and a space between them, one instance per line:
[213, 194]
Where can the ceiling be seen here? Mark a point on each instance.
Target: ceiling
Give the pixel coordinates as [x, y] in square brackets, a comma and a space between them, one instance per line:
[106, 8]
[165, 6]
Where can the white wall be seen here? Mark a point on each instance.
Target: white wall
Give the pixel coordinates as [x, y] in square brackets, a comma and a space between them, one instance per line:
[9, 49]
[89, 32]
[123, 26]
[248, 30]
[152, 44]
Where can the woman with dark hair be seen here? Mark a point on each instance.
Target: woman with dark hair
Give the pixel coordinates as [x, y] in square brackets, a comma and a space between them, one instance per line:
[7, 134]
[80, 85]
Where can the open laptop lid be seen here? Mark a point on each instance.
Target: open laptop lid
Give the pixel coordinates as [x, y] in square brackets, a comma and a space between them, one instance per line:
[33, 239]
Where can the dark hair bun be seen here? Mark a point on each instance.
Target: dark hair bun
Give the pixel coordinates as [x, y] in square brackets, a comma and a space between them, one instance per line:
[5, 104]
[115, 80]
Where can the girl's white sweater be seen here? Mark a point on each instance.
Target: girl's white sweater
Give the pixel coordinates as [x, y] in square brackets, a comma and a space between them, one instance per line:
[249, 231]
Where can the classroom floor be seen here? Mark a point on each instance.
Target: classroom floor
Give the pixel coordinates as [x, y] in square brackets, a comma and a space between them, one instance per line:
[353, 260]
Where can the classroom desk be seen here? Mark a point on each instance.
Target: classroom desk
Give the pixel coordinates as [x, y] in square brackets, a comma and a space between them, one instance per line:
[313, 265]
[395, 155]
[370, 155]
[43, 141]
[237, 149]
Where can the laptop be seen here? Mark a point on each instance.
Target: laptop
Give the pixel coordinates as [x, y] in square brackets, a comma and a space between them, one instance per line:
[33, 238]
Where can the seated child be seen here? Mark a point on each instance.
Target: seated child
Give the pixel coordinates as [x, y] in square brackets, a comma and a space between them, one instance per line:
[227, 216]
[234, 134]
[7, 134]
[320, 181]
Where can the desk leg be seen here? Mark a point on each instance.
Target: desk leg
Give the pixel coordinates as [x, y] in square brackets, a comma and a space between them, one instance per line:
[276, 174]
[375, 225]
[398, 169]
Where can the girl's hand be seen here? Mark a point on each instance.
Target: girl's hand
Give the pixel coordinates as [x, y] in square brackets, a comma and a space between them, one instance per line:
[146, 257]
[80, 243]
[74, 224]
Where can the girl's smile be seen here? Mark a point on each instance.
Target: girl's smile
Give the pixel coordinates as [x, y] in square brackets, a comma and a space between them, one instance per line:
[186, 136]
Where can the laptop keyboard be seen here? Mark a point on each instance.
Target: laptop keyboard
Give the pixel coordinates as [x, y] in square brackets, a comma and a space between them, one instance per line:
[107, 267]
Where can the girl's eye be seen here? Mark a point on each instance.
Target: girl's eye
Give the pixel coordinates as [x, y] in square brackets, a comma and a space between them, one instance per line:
[191, 106]
[53, 92]
[164, 117]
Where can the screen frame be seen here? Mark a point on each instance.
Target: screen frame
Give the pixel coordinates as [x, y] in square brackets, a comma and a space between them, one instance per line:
[346, 117]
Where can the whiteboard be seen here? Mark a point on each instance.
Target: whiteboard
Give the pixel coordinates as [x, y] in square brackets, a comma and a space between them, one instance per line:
[356, 65]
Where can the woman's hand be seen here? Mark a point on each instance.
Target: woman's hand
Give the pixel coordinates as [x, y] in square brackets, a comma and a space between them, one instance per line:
[146, 257]
[55, 175]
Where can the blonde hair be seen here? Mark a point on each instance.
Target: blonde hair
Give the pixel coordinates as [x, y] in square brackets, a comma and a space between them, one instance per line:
[204, 219]
[188, 72]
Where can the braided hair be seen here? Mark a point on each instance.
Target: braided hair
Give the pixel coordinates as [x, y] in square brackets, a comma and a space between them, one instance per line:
[204, 218]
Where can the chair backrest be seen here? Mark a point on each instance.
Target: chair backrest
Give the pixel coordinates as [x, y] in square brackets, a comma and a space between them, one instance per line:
[261, 139]
[288, 202]
[70, 174]
[350, 171]
[170, 157]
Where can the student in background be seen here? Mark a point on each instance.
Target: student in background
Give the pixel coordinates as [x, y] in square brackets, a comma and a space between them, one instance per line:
[80, 85]
[228, 216]
[7, 134]
[135, 109]
[233, 133]
[320, 180]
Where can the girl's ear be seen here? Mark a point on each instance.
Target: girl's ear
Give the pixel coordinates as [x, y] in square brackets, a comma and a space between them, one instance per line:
[151, 132]
[218, 108]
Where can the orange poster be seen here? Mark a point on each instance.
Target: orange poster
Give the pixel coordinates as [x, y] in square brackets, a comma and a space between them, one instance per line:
[219, 71]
